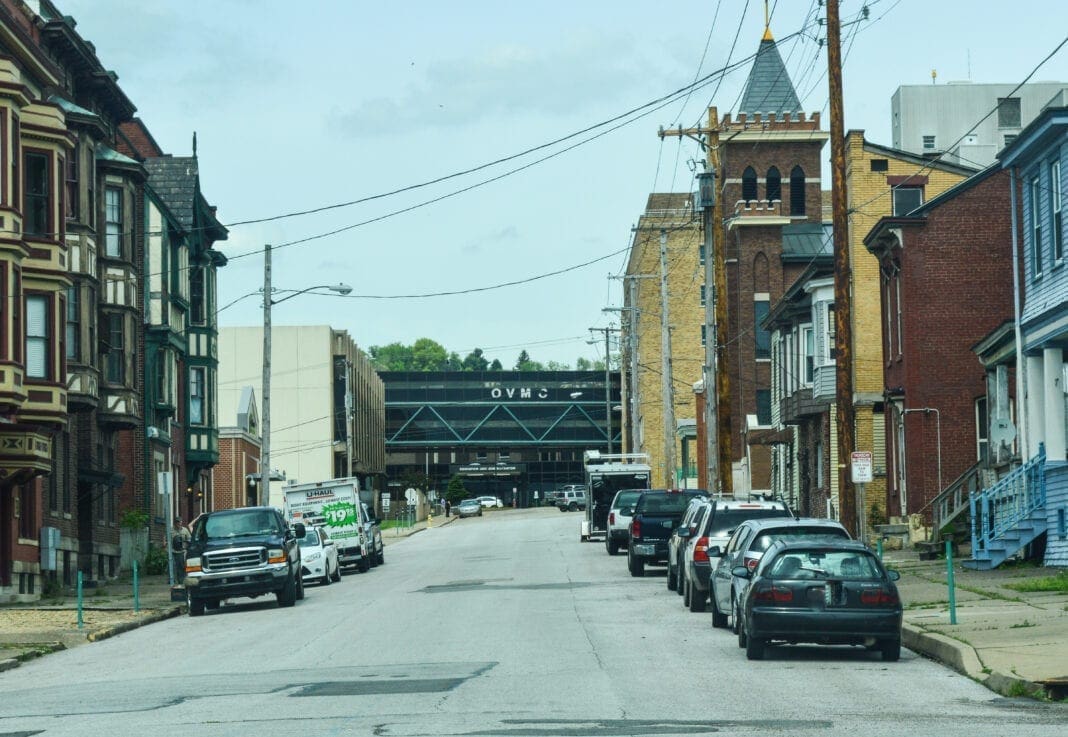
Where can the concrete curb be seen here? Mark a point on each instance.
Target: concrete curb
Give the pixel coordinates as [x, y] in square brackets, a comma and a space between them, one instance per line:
[157, 616]
[41, 649]
[963, 658]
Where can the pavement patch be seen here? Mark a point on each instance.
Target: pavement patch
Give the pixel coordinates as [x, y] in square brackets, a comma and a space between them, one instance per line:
[377, 688]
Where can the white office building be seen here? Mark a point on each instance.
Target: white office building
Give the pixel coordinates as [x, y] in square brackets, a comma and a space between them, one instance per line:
[928, 120]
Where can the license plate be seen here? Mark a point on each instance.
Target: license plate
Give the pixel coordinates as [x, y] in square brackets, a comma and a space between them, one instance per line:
[645, 549]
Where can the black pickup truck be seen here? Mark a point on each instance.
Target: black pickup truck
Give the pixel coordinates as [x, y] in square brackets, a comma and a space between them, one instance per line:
[656, 515]
[242, 552]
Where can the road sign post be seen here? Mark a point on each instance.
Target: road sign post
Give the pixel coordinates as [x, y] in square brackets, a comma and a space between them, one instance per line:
[861, 462]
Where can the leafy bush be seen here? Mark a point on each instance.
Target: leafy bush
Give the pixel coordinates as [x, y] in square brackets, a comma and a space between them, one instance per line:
[133, 519]
[156, 560]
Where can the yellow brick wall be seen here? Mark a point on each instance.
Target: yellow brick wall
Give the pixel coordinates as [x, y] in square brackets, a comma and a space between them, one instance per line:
[685, 277]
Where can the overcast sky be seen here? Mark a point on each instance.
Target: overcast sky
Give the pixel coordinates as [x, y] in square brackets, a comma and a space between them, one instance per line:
[299, 105]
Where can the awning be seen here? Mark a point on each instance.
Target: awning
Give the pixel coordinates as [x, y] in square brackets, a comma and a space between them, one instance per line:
[771, 437]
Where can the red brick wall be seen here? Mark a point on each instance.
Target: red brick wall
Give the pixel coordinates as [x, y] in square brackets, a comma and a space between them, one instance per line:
[956, 288]
[238, 457]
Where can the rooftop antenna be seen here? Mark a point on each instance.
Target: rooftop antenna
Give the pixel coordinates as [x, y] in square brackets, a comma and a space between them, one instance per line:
[767, 23]
[194, 144]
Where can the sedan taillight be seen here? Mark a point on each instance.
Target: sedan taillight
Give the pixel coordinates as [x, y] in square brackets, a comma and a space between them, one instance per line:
[878, 597]
[751, 563]
[773, 594]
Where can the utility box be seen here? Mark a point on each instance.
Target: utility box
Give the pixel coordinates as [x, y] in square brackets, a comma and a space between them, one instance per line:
[49, 548]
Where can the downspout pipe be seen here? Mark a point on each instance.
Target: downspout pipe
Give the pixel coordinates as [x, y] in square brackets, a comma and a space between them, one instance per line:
[1021, 368]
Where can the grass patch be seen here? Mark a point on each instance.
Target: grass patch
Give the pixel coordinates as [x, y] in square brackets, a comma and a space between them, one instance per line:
[1056, 584]
[1021, 625]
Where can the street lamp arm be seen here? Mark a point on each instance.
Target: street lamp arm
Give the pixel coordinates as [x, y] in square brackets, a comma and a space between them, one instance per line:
[341, 289]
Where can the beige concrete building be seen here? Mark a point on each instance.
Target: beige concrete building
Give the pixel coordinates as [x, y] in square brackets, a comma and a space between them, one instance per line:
[308, 400]
[644, 414]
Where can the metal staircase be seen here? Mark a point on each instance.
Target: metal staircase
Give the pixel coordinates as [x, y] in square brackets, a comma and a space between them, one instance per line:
[1008, 515]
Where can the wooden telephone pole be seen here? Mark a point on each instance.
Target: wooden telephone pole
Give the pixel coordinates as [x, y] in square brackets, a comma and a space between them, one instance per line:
[718, 428]
[843, 277]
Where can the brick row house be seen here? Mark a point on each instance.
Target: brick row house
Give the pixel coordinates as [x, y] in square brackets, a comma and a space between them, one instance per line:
[77, 407]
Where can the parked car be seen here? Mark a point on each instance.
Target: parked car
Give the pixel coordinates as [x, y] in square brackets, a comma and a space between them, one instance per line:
[676, 539]
[468, 508]
[571, 501]
[618, 528]
[746, 547]
[248, 551]
[655, 515]
[709, 536]
[490, 502]
[832, 593]
[373, 528]
[318, 556]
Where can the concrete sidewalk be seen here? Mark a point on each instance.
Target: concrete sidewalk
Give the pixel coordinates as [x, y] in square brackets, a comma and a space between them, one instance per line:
[1015, 643]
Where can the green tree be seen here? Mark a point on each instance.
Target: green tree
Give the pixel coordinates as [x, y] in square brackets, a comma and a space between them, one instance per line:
[557, 366]
[475, 361]
[428, 355]
[583, 364]
[392, 357]
[454, 362]
[496, 365]
[415, 480]
[526, 363]
[456, 491]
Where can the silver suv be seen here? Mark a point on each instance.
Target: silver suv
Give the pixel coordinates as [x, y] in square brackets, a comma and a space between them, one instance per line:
[571, 499]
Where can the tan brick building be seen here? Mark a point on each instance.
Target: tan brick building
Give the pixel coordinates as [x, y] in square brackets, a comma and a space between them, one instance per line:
[643, 414]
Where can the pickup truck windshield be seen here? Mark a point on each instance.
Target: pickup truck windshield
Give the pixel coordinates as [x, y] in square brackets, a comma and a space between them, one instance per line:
[235, 525]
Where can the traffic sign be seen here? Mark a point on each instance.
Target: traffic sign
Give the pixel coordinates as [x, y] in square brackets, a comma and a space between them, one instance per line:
[862, 466]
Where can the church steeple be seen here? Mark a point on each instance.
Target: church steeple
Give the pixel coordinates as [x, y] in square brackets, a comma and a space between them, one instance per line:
[769, 89]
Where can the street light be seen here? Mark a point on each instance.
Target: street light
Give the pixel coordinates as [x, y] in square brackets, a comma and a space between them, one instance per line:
[265, 419]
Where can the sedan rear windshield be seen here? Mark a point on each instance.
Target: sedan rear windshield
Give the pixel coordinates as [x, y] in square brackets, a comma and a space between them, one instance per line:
[800, 534]
[851, 565]
[722, 522]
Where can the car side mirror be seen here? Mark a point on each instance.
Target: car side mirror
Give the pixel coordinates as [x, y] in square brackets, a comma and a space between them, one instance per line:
[299, 530]
[741, 572]
[714, 552]
[328, 542]
[683, 531]
[630, 510]
[894, 575]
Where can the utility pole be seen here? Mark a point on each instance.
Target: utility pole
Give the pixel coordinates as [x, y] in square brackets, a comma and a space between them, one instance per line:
[717, 388]
[607, 381]
[631, 283]
[665, 367]
[265, 400]
[843, 346]
[348, 418]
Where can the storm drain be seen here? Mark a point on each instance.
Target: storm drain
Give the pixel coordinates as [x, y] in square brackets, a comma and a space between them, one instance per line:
[378, 688]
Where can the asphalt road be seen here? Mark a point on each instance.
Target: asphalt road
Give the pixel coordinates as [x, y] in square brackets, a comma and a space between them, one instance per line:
[498, 625]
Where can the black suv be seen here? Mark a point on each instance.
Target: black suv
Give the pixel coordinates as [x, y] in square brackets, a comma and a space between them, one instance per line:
[242, 552]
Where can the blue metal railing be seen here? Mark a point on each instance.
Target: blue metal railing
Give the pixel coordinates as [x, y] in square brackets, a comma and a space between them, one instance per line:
[1015, 497]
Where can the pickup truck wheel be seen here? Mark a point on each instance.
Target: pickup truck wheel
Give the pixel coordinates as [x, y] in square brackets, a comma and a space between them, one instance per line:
[196, 606]
[300, 587]
[287, 595]
[364, 565]
[612, 545]
[382, 556]
[636, 566]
